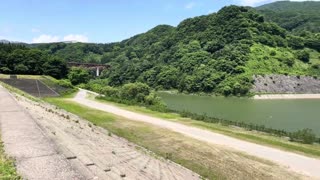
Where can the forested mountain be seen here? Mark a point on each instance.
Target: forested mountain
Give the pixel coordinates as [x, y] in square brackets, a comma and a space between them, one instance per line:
[216, 53]
[293, 16]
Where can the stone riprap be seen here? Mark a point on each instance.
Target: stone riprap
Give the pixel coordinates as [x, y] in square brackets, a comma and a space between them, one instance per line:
[282, 84]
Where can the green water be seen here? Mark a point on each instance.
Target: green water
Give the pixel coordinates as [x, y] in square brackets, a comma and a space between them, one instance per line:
[290, 115]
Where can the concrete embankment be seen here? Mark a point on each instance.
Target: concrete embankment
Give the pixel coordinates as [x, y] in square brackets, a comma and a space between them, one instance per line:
[36, 155]
[281, 84]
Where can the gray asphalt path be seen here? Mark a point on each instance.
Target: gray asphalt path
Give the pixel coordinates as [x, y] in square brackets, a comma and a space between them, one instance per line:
[36, 155]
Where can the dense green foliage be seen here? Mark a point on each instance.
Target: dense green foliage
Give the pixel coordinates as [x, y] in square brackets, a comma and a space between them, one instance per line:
[78, 52]
[131, 93]
[18, 59]
[293, 16]
[78, 75]
[218, 53]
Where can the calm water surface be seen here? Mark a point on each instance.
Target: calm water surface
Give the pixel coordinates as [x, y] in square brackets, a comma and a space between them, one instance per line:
[290, 115]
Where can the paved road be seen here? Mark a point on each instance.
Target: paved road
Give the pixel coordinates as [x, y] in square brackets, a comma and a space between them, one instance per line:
[299, 163]
[36, 156]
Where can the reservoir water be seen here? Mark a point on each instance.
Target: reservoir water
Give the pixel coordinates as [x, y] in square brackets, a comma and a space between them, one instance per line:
[290, 115]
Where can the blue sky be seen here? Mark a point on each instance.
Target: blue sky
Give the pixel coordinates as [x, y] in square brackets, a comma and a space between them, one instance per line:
[99, 21]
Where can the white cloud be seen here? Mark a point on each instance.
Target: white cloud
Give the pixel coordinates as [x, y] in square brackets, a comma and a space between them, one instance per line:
[190, 5]
[35, 30]
[44, 38]
[76, 37]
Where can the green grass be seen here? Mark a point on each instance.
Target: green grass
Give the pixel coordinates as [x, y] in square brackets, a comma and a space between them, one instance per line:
[7, 167]
[196, 155]
[314, 56]
[239, 133]
[70, 94]
[136, 132]
[260, 138]
[95, 116]
[4, 76]
[29, 77]
[262, 62]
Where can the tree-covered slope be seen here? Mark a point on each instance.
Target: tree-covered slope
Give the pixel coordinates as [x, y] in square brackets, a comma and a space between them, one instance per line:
[19, 59]
[216, 53]
[293, 16]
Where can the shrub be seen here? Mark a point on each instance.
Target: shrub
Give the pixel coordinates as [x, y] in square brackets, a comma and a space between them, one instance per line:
[65, 83]
[135, 91]
[273, 53]
[110, 91]
[78, 75]
[132, 94]
[303, 55]
[306, 136]
[316, 65]
[288, 61]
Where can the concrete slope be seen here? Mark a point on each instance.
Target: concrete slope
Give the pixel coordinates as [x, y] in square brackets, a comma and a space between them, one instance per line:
[35, 154]
[50, 143]
[33, 87]
[299, 163]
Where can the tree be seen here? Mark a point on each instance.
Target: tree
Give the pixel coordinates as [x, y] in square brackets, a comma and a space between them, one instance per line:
[78, 75]
[296, 42]
[168, 77]
[21, 69]
[56, 68]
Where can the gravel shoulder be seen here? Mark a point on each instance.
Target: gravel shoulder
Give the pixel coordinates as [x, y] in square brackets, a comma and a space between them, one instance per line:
[298, 163]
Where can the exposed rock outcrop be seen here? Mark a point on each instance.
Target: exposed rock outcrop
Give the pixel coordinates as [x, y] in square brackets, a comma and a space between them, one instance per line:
[286, 84]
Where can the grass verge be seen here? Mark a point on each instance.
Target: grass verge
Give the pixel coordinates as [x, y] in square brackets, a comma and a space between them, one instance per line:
[7, 167]
[138, 133]
[239, 133]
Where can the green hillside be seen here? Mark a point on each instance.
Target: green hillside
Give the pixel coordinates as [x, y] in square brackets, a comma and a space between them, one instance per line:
[293, 16]
[216, 53]
[19, 59]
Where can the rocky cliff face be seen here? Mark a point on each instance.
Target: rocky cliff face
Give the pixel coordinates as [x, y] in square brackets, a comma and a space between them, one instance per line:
[285, 84]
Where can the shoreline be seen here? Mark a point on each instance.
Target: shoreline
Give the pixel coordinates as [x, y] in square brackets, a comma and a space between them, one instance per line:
[286, 96]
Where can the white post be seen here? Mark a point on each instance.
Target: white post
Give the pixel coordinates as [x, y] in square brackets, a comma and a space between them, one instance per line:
[97, 72]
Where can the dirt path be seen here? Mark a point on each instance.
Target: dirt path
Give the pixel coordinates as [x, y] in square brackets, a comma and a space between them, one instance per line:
[299, 163]
[95, 153]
